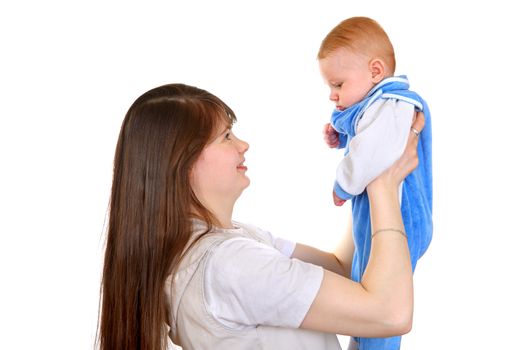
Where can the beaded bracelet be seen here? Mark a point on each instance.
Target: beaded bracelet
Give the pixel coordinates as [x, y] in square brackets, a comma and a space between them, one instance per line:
[389, 229]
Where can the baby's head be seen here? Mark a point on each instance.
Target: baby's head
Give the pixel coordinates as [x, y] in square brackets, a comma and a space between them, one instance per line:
[353, 57]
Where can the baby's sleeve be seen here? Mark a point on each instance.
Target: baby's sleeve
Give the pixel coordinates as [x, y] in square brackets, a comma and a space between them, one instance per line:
[380, 139]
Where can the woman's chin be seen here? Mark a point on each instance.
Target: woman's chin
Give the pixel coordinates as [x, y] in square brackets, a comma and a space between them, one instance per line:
[247, 183]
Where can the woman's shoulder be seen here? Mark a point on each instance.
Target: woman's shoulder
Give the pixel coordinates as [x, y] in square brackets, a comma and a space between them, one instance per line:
[255, 232]
[283, 245]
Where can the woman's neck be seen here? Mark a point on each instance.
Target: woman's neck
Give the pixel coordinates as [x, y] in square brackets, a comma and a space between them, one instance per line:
[222, 211]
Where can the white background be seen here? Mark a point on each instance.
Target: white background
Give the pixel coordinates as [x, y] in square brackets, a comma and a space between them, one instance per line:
[69, 70]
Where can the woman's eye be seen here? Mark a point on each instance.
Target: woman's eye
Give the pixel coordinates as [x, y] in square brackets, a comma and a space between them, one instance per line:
[228, 136]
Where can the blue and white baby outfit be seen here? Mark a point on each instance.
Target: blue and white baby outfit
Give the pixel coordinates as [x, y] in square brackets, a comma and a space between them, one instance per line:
[374, 133]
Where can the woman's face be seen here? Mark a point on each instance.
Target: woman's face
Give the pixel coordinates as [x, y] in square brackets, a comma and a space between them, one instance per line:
[219, 173]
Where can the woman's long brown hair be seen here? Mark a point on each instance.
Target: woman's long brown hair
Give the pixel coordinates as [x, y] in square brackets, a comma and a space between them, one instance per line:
[151, 207]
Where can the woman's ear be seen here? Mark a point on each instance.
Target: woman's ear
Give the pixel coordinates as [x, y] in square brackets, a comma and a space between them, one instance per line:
[377, 68]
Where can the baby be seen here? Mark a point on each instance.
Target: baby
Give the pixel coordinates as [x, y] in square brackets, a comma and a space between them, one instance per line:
[372, 120]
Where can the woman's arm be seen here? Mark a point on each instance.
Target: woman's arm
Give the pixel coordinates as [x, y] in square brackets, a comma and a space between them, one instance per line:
[382, 304]
[340, 261]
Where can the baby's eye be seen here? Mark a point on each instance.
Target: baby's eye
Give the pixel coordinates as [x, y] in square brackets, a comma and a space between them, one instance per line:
[337, 85]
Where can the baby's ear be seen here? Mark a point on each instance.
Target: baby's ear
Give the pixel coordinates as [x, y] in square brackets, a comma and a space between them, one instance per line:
[377, 69]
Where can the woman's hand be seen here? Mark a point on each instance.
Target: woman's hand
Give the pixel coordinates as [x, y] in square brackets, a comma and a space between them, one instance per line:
[393, 176]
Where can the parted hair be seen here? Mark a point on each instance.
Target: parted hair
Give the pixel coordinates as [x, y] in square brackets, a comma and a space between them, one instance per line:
[150, 211]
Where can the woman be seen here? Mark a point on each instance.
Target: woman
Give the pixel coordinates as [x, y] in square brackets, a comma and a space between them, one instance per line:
[176, 264]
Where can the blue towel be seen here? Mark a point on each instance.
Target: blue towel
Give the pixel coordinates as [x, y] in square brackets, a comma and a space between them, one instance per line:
[416, 199]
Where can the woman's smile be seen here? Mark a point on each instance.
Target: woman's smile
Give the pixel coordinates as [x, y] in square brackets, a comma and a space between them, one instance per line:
[241, 166]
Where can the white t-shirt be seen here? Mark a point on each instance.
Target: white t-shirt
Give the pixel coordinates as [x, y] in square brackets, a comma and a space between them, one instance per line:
[249, 283]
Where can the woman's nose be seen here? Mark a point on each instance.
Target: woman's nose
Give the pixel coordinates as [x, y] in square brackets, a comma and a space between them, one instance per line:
[243, 146]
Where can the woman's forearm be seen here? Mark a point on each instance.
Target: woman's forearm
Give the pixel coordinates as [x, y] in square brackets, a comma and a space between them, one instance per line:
[388, 275]
[340, 261]
[345, 249]
[381, 305]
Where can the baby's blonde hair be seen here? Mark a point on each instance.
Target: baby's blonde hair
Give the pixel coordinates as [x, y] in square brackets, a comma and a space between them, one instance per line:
[360, 35]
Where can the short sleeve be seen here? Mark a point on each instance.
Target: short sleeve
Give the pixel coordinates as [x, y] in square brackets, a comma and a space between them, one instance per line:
[283, 245]
[248, 283]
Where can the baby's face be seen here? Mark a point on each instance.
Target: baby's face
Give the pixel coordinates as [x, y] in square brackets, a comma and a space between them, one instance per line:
[348, 77]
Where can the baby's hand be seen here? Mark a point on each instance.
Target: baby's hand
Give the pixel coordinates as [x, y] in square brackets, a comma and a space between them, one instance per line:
[338, 201]
[331, 136]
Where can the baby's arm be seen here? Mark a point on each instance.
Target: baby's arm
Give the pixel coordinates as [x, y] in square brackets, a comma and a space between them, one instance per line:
[380, 139]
